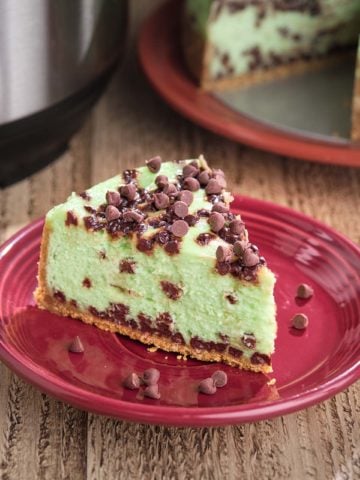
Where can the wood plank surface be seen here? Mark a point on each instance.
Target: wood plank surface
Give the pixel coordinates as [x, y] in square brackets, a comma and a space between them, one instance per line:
[46, 439]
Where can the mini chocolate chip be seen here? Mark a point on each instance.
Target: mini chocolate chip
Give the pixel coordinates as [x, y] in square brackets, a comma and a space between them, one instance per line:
[154, 164]
[191, 184]
[300, 321]
[304, 291]
[161, 200]
[170, 189]
[220, 378]
[128, 191]
[179, 228]
[249, 340]
[250, 259]
[213, 187]
[172, 247]
[132, 216]
[76, 345]
[190, 171]
[221, 181]
[207, 386]
[190, 220]
[113, 198]
[218, 171]
[237, 227]
[180, 209]
[132, 381]
[161, 181]
[152, 391]
[151, 376]
[216, 221]
[224, 253]
[203, 178]
[186, 196]
[240, 247]
[112, 213]
[220, 207]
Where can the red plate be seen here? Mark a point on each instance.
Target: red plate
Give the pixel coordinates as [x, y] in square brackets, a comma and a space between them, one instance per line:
[161, 59]
[308, 367]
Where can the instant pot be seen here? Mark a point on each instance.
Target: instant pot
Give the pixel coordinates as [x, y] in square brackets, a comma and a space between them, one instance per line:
[56, 57]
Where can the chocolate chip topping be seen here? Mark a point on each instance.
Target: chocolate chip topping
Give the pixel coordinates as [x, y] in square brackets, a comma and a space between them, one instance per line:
[221, 181]
[186, 196]
[179, 228]
[172, 247]
[250, 259]
[207, 386]
[152, 391]
[161, 181]
[237, 227]
[76, 345]
[213, 187]
[224, 253]
[205, 238]
[128, 191]
[170, 189]
[161, 200]
[112, 213]
[190, 171]
[240, 247]
[220, 208]
[191, 184]
[113, 198]
[133, 216]
[249, 340]
[216, 221]
[203, 178]
[304, 291]
[180, 209]
[220, 378]
[300, 321]
[191, 220]
[132, 381]
[151, 376]
[154, 164]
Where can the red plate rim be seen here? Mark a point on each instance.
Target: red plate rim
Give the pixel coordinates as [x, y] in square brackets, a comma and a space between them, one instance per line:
[161, 61]
[180, 416]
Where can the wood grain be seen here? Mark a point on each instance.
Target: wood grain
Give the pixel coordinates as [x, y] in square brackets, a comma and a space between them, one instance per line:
[43, 438]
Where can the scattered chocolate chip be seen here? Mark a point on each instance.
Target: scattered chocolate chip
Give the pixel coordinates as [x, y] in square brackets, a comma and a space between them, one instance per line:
[172, 247]
[224, 253]
[213, 187]
[231, 298]
[240, 247]
[132, 381]
[207, 386]
[86, 282]
[151, 376]
[249, 340]
[85, 195]
[179, 228]
[216, 221]
[190, 171]
[112, 213]
[203, 178]
[250, 259]
[144, 244]
[128, 191]
[171, 290]
[191, 184]
[220, 208]
[161, 200]
[221, 181]
[132, 216]
[170, 189]
[218, 172]
[186, 196]
[191, 220]
[300, 321]
[152, 391]
[161, 181]
[180, 209]
[237, 227]
[220, 378]
[127, 266]
[154, 164]
[76, 345]
[205, 238]
[304, 291]
[71, 219]
[113, 198]
[260, 359]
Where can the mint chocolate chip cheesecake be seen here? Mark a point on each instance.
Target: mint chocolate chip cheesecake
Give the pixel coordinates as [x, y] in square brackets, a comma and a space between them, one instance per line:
[155, 254]
[238, 42]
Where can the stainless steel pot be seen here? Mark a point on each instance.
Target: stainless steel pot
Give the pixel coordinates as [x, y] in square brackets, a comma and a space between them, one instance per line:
[55, 58]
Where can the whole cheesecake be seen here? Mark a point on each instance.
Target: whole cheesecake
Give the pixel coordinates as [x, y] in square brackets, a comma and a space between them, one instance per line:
[155, 254]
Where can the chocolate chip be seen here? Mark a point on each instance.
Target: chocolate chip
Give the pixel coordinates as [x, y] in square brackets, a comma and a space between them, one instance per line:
[186, 196]
[154, 164]
[76, 346]
[180, 209]
[170, 189]
[304, 291]
[300, 321]
[161, 200]
[207, 386]
[237, 227]
[250, 259]
[191, 184]
[161, 181]
[221, 181]
[132, 381]
[172, 247]
[179, 228]
[190, 220]
[220, 207]
[213, 187]
[112, 213]
[240, 247]
[220, 378]
[190, 171]
[224, 253]
[151, 376]
[216, 221]
[203, 178]
[152, 391]
[132, 216]
[128, 191]
[218, 171]
[249, 340]
[113, 198]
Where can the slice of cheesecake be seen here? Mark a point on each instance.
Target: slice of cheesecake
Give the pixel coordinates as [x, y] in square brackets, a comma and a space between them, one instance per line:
[155, 254]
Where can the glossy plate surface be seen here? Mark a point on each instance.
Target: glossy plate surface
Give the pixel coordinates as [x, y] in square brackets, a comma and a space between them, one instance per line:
[161, 59]
[308, 366]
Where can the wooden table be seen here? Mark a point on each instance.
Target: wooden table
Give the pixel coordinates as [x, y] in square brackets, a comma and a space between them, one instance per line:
[44, 438]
